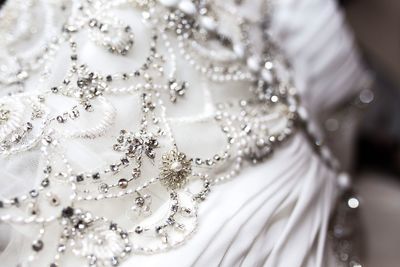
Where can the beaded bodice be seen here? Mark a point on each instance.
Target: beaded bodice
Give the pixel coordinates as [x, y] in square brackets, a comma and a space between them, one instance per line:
[126, 154]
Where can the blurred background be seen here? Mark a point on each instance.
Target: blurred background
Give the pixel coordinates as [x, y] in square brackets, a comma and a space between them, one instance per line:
[376, 26]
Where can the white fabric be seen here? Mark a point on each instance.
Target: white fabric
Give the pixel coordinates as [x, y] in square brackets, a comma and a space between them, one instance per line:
[315, 37]
[274, 214]
[271, 215]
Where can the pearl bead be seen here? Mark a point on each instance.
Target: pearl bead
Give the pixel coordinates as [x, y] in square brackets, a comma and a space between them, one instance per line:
[253, 63]
[176, 166]
[123, 183]
[169, 3]
[239, 50]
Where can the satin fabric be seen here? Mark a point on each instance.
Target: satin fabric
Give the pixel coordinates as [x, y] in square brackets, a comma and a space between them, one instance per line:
[272, 214]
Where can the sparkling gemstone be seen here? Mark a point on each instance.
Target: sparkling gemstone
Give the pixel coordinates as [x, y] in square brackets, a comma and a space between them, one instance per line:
[124, 161]
[45, 182]
[139, 201]
[79, 178]
[92, 260]
[60, 119]
[128, 249]
[114, 168]
[103, 188]
[96, 176]
[80, 225]
[33, 193]
[37, 245]
[61, 248]
[113, 226]
[138, 230]
[67, 212]
[47, 169]
[114, 261]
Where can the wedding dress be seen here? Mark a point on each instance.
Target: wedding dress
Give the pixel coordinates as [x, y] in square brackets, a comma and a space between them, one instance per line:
[120, 122]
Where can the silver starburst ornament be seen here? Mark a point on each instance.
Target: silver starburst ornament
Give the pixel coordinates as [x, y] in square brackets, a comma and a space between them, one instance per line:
[175, 169]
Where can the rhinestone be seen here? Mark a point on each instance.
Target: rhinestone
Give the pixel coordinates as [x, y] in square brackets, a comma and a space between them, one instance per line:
[114, 261]
[159, 229]
[113, 226]
[33, 193]
[48, 139]
[124, 235]
[74, 114]
[124, 161]
[61, 248]
[128, 249]
[138, 230]
[93, 23]
[15, 138]
[15, 201]
[113, 168]
[47, 169]
[92, 260]
[170, 221]
[67, 212]
[29, 126]
[103, 188]
[139, 201]
[37, 245]
[79, 178]
[60, 119]
[135, 173]
[80, 225]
